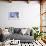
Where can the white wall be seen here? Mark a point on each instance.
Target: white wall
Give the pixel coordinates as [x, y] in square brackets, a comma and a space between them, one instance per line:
[29, 14]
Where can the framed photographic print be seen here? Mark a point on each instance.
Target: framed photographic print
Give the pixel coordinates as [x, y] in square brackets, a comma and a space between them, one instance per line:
[13, 15]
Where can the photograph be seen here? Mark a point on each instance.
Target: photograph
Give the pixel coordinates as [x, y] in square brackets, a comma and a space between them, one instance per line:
[22, 22]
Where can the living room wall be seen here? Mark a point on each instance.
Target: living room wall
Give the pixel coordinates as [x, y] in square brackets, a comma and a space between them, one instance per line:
[29, 14]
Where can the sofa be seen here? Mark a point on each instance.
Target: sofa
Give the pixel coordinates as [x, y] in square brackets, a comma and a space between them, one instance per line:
[15, 33]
